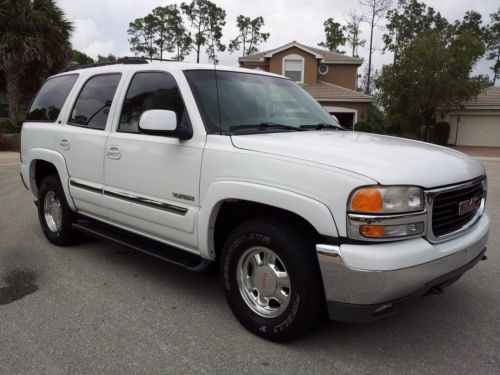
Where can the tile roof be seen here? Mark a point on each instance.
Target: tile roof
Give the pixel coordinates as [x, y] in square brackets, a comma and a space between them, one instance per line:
[324, 91]
[489, 98]
[327, 56]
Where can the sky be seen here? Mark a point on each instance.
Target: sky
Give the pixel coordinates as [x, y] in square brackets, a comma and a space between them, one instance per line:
[101, 25]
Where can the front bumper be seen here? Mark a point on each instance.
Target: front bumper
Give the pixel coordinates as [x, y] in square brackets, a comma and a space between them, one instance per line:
[365, 282]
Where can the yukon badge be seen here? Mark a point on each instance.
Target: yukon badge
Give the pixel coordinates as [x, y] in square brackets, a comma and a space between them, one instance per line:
[469, 205]
[183, 197]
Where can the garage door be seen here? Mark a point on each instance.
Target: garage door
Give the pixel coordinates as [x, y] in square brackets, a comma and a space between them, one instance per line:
[345, 119]
[475, 130]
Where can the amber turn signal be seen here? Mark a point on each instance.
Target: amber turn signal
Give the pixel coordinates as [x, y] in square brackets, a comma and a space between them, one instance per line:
[367, 200]
[372, 231]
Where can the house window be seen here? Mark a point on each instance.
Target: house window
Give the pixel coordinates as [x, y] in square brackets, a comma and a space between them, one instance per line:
[293, 68]
[322, 69]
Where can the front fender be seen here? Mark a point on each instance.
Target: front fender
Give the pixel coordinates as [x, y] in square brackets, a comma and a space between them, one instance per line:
[315, 212]
[56, 159]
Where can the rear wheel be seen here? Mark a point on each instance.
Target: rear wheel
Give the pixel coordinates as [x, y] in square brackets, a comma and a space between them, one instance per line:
[54, 213]
[272, 280]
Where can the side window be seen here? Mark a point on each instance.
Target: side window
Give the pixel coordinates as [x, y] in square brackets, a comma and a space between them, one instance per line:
[151, 90]
[50, 99]
[92, 106]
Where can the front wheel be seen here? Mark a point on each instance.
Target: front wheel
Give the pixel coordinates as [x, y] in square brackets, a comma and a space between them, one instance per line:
[54, 213]
[272, 280]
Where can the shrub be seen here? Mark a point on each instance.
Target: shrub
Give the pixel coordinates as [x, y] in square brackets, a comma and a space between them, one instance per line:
[422, 132]
[441, 133]
[10, 142]
[4, 143]
[394, 129]
[6, 127]
[363, 126]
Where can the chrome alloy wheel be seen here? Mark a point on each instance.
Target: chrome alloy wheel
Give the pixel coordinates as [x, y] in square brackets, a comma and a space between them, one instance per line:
[263, 282]
[52, 211]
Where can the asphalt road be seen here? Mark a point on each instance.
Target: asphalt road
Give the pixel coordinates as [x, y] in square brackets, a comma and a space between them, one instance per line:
[99, 308]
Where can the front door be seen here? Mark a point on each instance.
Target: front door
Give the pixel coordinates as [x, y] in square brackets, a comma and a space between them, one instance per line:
[152, 181]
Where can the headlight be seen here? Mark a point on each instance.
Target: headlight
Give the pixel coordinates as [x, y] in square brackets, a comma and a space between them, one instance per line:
[386, 213]
[387, 199]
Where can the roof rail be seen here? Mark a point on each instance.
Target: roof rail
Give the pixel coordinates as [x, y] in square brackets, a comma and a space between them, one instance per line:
[122, 60]
[154, 59]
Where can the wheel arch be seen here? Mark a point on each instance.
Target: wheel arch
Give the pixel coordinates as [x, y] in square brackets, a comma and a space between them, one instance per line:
[44, 162]
[250, 200]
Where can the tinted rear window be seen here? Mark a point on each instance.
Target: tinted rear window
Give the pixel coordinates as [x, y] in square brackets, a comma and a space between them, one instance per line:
[50, 99]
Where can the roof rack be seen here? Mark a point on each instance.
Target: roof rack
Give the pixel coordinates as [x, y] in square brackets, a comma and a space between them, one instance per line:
[121, 60]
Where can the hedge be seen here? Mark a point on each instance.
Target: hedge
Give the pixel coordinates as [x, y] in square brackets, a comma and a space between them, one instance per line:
[441, 133]
[363, 126]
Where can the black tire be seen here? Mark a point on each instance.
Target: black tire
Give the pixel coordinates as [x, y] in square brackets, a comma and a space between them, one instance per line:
[306, 307]
[66, 235]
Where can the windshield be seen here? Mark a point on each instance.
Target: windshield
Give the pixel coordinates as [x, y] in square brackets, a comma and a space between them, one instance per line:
[252, 103]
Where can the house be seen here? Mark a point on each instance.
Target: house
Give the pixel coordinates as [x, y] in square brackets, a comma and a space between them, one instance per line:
[477, 123]
[331, 78]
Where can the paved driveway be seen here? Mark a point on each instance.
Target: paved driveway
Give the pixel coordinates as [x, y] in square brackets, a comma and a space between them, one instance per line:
[99, 308]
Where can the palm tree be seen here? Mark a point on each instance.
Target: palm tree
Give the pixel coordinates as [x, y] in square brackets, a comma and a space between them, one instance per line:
[34, 37]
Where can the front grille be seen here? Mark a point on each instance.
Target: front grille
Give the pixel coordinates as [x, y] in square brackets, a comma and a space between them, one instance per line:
[445, 210]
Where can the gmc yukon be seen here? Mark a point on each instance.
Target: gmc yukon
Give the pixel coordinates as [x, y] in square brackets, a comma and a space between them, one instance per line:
[199, 165]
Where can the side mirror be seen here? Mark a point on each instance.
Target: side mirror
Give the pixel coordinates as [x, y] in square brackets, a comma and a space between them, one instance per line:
[164, 122]
[158, 121]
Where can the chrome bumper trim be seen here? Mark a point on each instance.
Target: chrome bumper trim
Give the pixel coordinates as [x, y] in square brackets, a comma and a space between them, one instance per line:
[345, 284]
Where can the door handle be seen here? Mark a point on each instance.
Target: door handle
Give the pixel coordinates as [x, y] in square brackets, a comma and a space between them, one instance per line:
[64, 143]
[114, 152]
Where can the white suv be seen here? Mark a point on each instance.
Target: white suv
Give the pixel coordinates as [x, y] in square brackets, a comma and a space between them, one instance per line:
[197, 165]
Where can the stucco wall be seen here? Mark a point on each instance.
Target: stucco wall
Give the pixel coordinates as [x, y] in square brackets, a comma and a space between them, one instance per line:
[342, 75]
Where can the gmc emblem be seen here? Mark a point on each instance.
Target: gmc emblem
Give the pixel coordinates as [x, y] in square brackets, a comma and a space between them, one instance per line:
[468, 206]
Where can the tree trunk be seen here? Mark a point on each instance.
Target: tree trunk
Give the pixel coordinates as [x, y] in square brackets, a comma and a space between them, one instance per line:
[353, 44]
[396, 44]
[430, 119]
[161, 47]
[13, 74]
[495, 72]
[198, 46]
[368, 79]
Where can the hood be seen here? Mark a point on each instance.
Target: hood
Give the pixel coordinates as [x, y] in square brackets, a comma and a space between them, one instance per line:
[387, 160]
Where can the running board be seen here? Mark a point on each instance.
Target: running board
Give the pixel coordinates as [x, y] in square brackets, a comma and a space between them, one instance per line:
[147, 246]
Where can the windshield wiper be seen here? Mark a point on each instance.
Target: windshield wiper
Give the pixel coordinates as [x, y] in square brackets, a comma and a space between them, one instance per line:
[322, 125]
[266, 125]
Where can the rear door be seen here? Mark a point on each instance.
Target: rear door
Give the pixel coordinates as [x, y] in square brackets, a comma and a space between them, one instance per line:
[152, 181]
[82, 140]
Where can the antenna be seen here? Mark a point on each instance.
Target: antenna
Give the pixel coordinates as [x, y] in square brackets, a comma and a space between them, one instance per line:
[215, 74]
